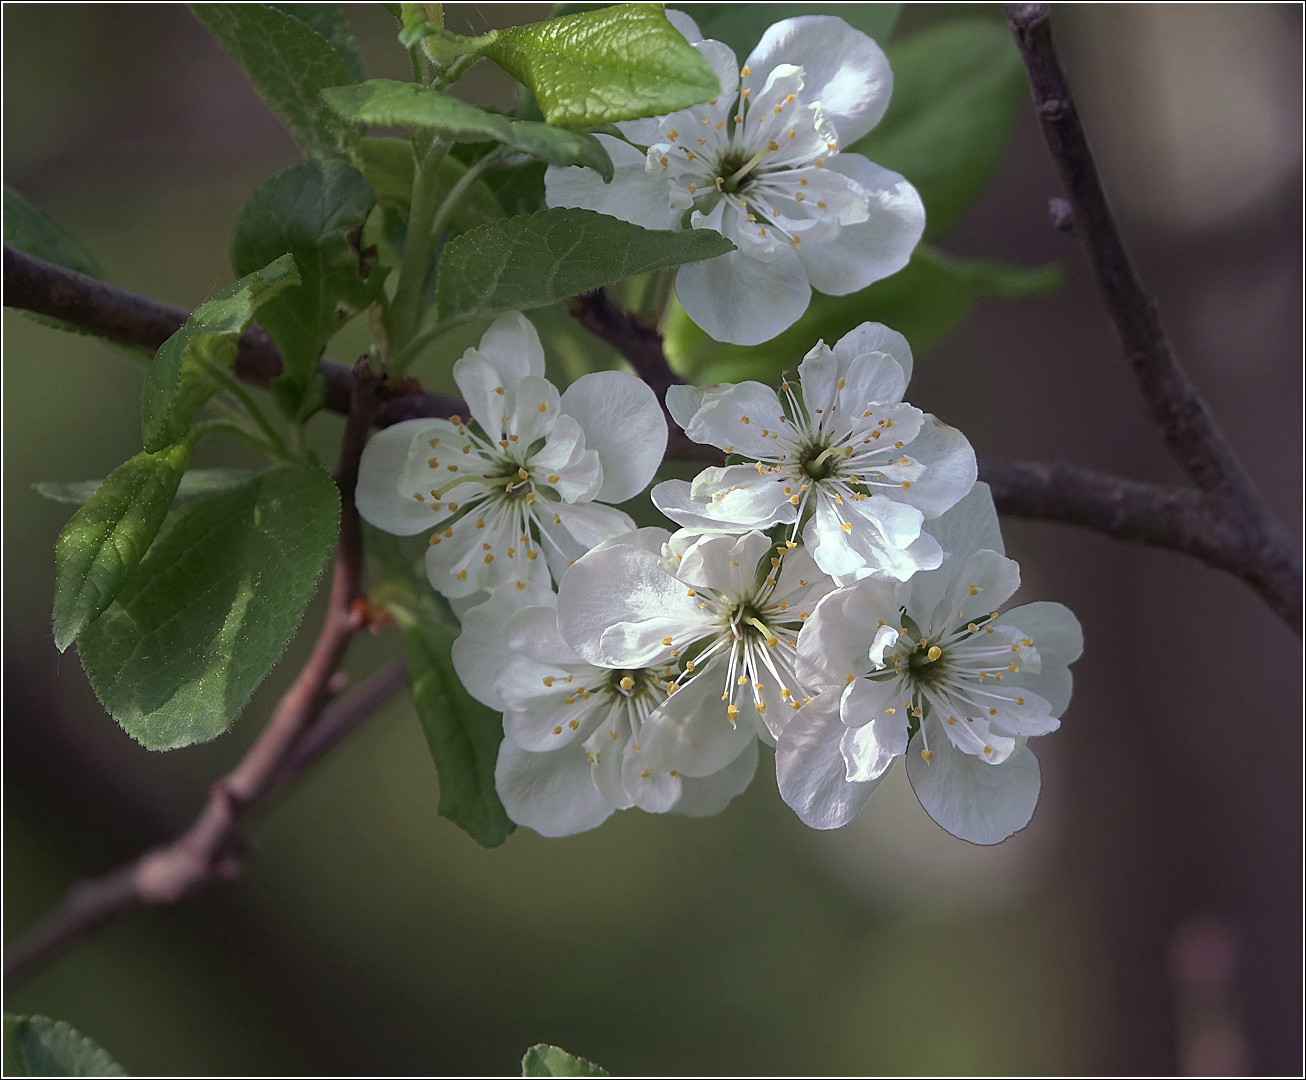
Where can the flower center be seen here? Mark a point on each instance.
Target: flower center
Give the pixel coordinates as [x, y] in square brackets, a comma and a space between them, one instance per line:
[927, 665]
[632, 683]
[818, 461]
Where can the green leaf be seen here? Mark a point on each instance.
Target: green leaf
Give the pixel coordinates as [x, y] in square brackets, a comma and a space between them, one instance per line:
[390, 103]
[958, 88]
[741, 26]
[545, 1060]
[39, 1046]
[388, 165]
[105, 540]
[195, 483]
[597, 67]
[463, 734]
[289, 63]
[329, 21]
[315, 210]
[211, 607]
[177, 385]
[526, 262]
[923, 302]
[30, 231]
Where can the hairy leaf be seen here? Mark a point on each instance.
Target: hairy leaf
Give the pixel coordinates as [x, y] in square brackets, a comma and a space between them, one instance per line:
[105, 540]
[741, 26]
[545, 1060]
[526, 262]
[330, 22]
[211, 607]
[195, 483]
[314, 210]
[289, 63]
[463, 735]
[177, 385]
[597, 67]
[39, 1046]
[923, 302]
[28, 230]
[958, 88]
[390, 103]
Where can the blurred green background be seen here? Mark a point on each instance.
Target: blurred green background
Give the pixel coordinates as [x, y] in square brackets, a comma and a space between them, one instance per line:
[368, 935]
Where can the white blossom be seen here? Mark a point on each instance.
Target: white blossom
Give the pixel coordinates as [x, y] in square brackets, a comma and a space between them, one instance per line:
[761, 164]
[571, 750]
[528, 472]
[844, 458]
[931, 669]
[722, 611]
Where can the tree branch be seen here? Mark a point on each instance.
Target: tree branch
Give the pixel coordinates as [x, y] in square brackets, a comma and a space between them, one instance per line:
[1187, 426]
[211, 848]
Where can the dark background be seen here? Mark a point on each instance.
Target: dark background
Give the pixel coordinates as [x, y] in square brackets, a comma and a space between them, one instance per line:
[1149, 920]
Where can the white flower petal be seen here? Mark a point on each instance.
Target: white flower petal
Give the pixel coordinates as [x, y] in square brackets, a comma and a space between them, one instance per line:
[970, 525]
[618, 601]
[702, 796]
[872, 337]
[882, 245]
[1057, 636]
[981, 803]
[843, 69]
[725, 563]
[653, 792]
[691, 732]
[950, 469]
[535, 408]
[632, 195]
[872, 378]
[733, 418]
[392, 454]
[736, 496]
[512, 345]
[683, 401]
[810, 769]
[686, 25]
[552, 793]
[832, 647]
[739, 299]
[605, 748]
[877, 718]
[482, 648]
[673, 498]
[488, 397]
[981, 585]
[623, 422]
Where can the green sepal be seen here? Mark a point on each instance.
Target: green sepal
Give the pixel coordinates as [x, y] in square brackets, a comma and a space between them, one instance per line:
[177, 385]
[390, 103]
[598, 67]
[212, 606]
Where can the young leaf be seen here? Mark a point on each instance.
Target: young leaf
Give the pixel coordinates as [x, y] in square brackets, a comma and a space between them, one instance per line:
[545, 1060]
[526, 262]
[390, 103]
[463, 735]
[597, 67]
[211, 607]
[741, 26]
[957, 90]
[39, 1046]
[177, 386]
[289, 63]
[388, 165]
[329, 21]
[105, 540]
[195, 483]
[925, 300]
[314, 210]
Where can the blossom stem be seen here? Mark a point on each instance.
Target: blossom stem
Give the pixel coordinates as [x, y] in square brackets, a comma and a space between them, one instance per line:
[405, 314]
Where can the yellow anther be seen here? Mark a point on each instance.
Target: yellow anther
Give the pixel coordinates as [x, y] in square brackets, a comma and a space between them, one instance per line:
[512, 552]
[456, 420]
[419, 496]
[891, 710]
[690, 592]
[435, 442]
[663, 160]
[557, 731]
[1020, 701]
[693, 188]
[744, 420]
[449, 530]
[988, 749]
[521, 585]
[489, 559]
[673, 134]
[952, 719]
[760, 706]
[973, 589]
[462, 575]
[773, 145]
[819, 202]
[906, 484]
[500, 391]
[452, 468]
[926, 755]
[743, 71]
[731, 712]
[689, 665]
[792, 134]
[666, 641]
[627, 683]
[532, 555]
[435, 539]
[612, 735]
[846, 527]
[934, 653]
[743, 680]
[571, 700]
[556, 520]
[793, 499]
[1013, 667]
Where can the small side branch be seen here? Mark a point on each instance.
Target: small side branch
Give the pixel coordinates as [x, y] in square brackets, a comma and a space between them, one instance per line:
[211, 848]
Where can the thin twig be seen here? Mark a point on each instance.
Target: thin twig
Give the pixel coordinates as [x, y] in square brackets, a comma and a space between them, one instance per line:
[1251, 533]
[211, 849]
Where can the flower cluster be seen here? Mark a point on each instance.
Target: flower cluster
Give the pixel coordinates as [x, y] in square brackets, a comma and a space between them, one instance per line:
[834, 591]
[765, 164]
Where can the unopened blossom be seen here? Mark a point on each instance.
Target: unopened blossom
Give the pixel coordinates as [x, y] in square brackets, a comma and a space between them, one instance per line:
[571, 752]
[722, 612]
[932, 670]
[764, 163]
[529, 472]
[843, 457]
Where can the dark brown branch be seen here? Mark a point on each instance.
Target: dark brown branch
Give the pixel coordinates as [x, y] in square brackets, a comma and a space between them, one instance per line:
[211, 848]
[130, 319]
[1187, 426]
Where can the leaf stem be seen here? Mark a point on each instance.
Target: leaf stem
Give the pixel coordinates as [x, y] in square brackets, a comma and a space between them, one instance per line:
[228, 382]
[406, 308]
